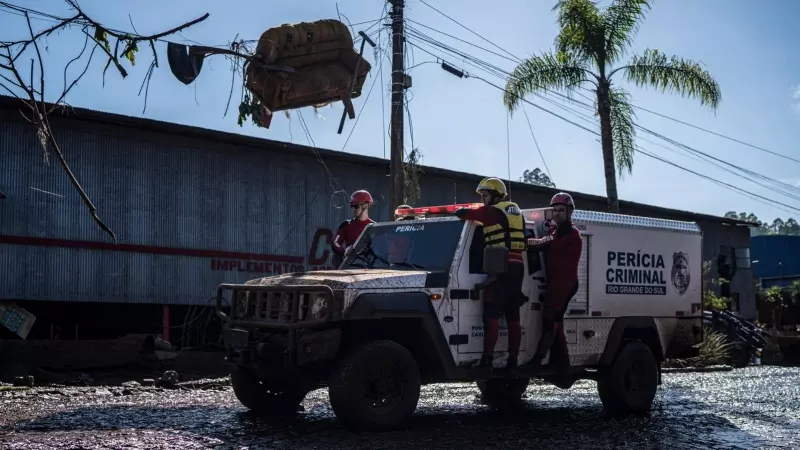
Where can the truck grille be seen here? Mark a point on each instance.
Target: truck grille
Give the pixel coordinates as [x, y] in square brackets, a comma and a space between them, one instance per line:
[282, 307]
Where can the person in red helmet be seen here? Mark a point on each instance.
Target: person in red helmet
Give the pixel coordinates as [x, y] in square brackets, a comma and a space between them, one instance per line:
[349, 230]
[563, 248]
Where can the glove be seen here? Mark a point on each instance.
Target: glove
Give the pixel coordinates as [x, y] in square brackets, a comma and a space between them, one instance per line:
[348, 249]
[533, 242]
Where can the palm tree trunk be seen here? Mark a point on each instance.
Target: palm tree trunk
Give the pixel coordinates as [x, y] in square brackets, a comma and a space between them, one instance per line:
[604, 110]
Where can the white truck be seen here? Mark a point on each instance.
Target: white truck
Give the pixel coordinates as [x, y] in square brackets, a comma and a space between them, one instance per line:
[404, 310]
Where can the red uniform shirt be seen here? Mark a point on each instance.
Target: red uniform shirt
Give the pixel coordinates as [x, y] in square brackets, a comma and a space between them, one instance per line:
[348, 233]
[488, 216]
[563, 246]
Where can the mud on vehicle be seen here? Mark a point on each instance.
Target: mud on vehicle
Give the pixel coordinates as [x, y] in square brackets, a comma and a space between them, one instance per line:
[404, 310]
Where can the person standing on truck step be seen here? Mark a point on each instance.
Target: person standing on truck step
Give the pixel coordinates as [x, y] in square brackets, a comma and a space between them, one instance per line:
[563, 246]
[349, 230]
[503, 225]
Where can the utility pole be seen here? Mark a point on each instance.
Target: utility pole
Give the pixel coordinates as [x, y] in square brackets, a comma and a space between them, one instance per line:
[399, 84]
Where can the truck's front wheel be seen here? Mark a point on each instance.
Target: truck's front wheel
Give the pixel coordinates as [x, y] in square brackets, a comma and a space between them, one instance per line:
[629, 385]
[499, 392]
[375, 387]
[266, 398]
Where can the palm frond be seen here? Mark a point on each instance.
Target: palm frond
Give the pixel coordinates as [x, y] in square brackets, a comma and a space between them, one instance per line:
[581, 27]
[623, 132]
[560, 72]
[674, 74]
[621, 22]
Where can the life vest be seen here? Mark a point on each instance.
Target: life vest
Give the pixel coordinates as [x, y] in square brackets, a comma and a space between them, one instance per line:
[510, 233]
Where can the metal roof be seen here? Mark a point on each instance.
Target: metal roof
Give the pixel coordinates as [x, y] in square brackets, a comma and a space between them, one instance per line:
[88, 115]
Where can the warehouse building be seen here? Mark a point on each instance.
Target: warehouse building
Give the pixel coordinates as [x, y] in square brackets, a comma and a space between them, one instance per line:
[776, 260]
[193, 208]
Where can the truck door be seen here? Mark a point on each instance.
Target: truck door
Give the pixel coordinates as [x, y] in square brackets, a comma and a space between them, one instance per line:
[470, 311]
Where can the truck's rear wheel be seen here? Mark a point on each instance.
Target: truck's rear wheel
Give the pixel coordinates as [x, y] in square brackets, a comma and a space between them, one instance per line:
[630, 384]
[499, 392]
[375, 387]
[266, 398]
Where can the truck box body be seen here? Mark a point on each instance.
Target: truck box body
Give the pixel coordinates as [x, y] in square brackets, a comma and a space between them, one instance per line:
[632, 267]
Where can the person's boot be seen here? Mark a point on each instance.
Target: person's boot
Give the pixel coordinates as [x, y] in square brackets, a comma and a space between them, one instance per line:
[484, 370]
[511, 369]
[559, 363]
[531, 368]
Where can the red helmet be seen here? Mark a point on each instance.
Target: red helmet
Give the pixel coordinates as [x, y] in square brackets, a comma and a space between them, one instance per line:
[562, 198]
[361, 196]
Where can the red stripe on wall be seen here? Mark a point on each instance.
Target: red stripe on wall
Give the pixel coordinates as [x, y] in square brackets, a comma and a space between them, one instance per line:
[132, 248]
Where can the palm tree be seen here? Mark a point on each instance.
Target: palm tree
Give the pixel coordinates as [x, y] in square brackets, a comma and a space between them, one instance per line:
[587, 49]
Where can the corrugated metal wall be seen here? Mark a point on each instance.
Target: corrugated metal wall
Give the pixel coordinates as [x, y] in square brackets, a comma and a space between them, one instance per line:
[189, 212]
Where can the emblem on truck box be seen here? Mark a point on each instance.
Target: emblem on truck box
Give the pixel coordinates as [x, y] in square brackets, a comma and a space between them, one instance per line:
[680, 272]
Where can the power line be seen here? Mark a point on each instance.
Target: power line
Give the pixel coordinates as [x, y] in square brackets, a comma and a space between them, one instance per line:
[702, 156]
[508, 147]
[538, 148]
[720, 135]
[517, 59]
[493, 71]
[470, 30]
[642, 151]
[369, 93]
[527, 119]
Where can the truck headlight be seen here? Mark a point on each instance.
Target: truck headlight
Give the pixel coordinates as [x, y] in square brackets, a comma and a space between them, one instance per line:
[318, 306]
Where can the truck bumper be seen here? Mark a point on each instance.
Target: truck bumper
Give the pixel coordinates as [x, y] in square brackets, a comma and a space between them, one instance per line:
[278, 352]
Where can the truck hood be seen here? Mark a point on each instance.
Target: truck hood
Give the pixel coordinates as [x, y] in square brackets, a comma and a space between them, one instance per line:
[350, 279]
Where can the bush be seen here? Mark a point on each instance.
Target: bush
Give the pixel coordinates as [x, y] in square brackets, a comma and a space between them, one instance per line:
[713, 350]
[711, 301]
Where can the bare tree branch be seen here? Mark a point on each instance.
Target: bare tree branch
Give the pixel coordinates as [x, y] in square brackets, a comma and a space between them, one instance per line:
[35, 98]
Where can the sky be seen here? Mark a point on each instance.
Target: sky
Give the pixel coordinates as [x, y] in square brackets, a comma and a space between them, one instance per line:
[461, 124]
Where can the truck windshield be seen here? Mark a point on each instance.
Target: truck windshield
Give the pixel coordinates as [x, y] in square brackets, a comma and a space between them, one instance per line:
[419, 246]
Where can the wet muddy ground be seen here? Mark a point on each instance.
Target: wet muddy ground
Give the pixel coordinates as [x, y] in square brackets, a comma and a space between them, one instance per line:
[757, 407]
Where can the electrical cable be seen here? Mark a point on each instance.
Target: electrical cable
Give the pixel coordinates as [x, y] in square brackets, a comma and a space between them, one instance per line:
[378, 54]
[492, 71]
[527, 119]
[469, 29]
[514, 59]
[642, 151]
[508, 149]
[719, 135]
[366, 100]
[702, 156]
[517, 59]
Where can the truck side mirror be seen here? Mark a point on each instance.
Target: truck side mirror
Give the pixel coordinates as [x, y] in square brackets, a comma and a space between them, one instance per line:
[495, 260]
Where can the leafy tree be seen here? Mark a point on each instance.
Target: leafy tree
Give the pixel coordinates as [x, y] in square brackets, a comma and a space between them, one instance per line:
[537, 177]
[778, 226]
[589, 44]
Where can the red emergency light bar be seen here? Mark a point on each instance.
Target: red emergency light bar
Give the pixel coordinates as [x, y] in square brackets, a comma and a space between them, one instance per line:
[428, 210]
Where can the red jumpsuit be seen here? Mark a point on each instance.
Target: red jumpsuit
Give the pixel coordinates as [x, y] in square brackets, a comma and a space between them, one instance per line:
[563, 252]
[503, 295]
[346, 235]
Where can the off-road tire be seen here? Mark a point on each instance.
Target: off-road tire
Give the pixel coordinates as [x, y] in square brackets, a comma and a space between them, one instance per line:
[264, 398]
[619, 393]
[502, 392]
[351, 382]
